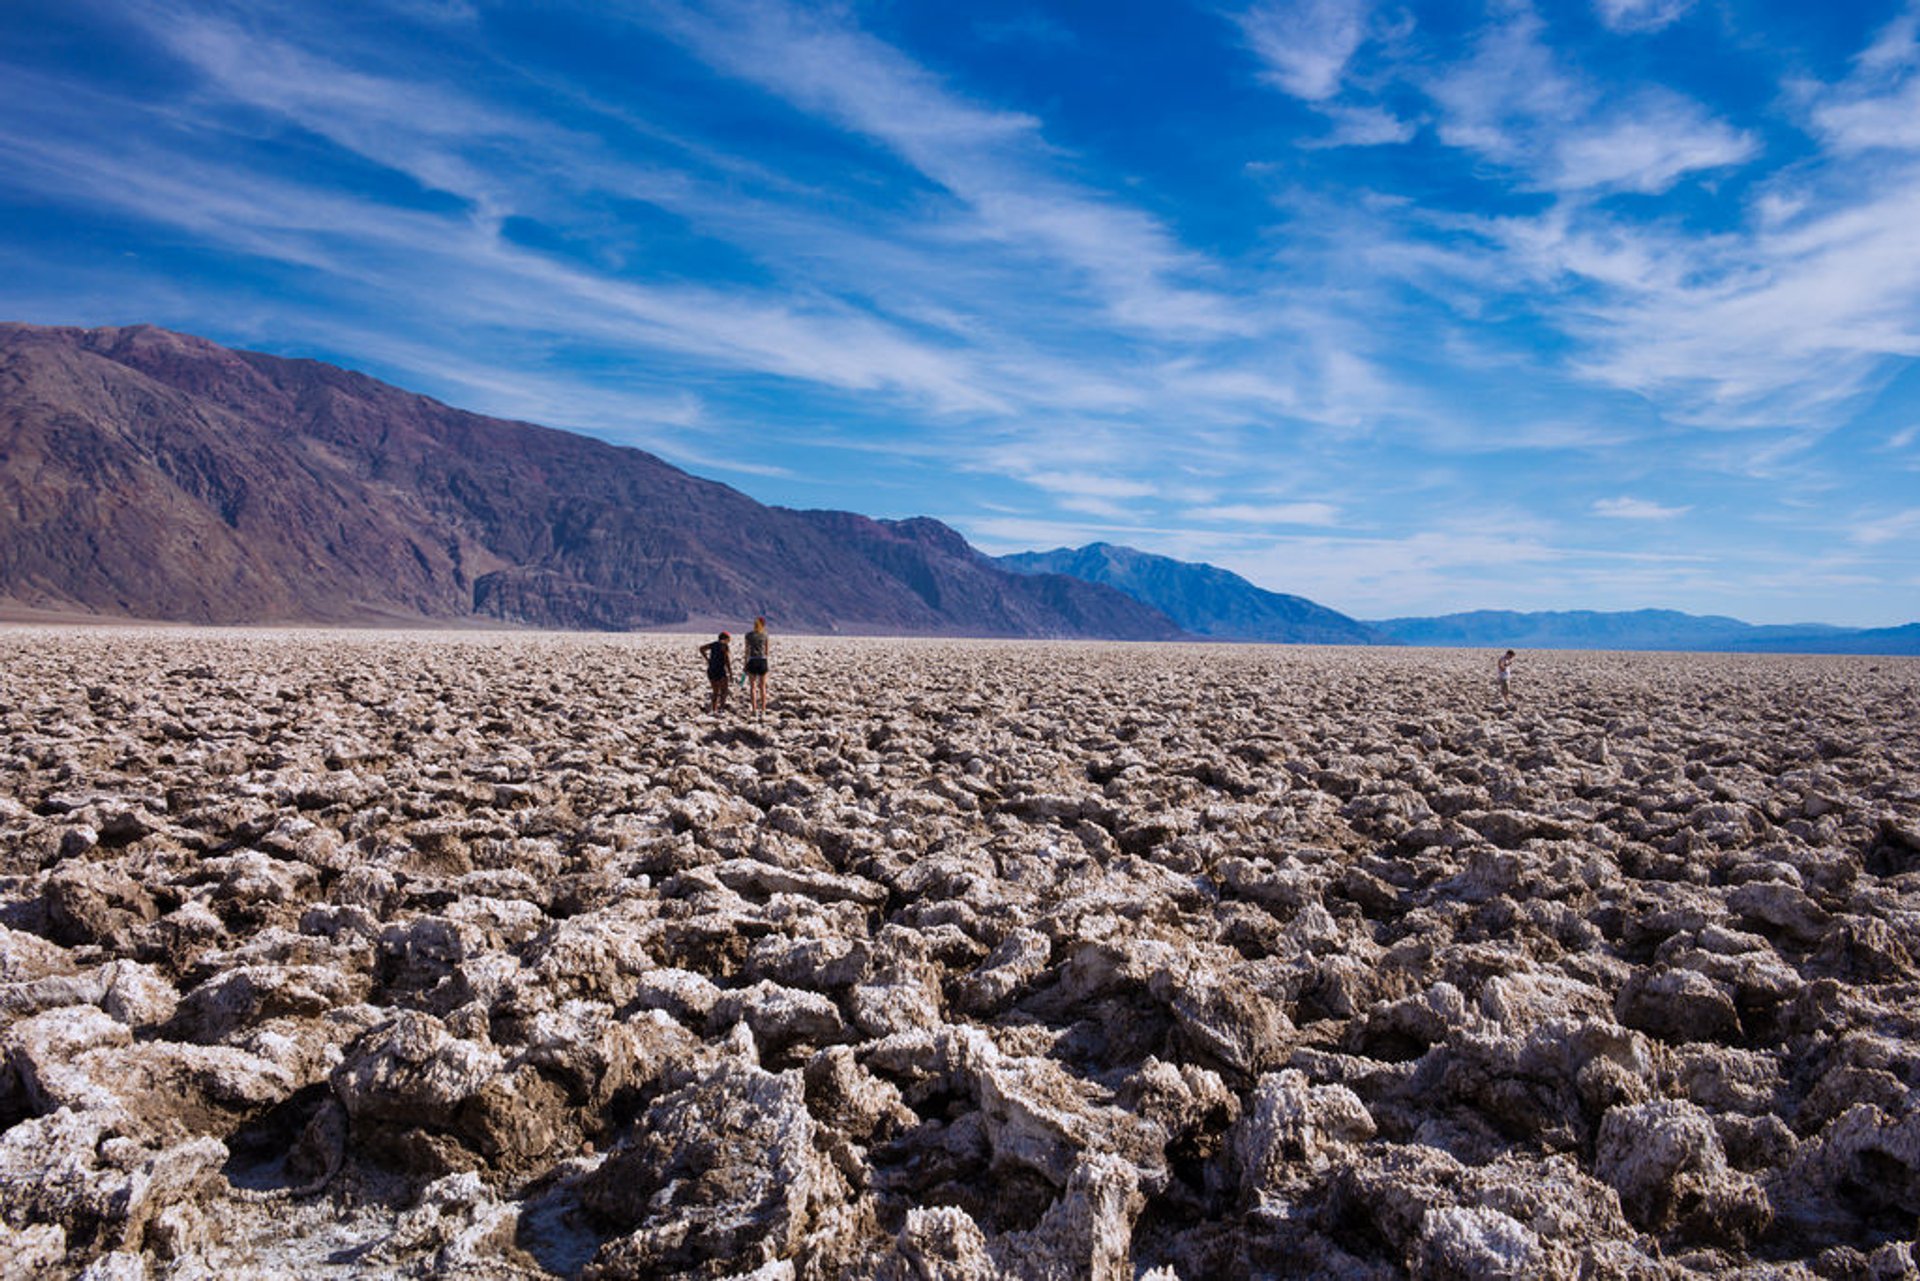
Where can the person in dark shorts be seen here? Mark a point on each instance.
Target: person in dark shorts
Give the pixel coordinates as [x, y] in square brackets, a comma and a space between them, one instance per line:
[757, 644]
[719, 656]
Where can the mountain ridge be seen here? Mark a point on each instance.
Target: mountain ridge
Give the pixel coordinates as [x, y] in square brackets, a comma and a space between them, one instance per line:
[1190, 593]
[155, 475]
[147, 474]
[1646, 629]
[1203, 599]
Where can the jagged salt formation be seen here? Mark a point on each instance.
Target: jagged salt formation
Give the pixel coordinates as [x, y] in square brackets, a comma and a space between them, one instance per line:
[487, 956]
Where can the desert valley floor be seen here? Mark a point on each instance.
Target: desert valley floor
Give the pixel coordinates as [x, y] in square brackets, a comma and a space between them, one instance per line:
[334, 954]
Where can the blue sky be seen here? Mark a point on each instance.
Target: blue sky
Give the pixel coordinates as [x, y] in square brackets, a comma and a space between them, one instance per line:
[1409, 309]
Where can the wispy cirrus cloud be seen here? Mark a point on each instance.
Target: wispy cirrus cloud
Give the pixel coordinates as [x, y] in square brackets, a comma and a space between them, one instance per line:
[457, 257]
[1410, 305]
[420, 129]
[1305, 45]
[446, 140]
[1088, 484]
[1645, 146]
[1306, 49]
[425, 132]
[995, 162]
[1506, 92]
[1784, 319]
[1878, 105]
[1626, 508]
[1641, 15]
[1090, 492]
[1361, 126]
[1514, 102]
[1786, 325]
[1886, 529]
[1267, 514]
[1455, 566]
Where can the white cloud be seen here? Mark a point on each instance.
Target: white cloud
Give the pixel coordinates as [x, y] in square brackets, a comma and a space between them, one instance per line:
[1878, 107]
[1625, 508]
[1304, 513]
[996, 162]
[1492, 563]
[868, 304]
[1863, 122]
[1514, 103]
[1363, 127]
[863, 327]
[1646, 149]
[1014, 532]
[438, 12]
[1449, 568]
[455, 262]
[1887, 529]
[1788, 321]
[965, 294]
[1306, 44]
[1782, 323]
[1897, 46]
[1773, 458]
[1087, 484]
[1506, 91]
[1785, 327]
[404, 124]
[1641, 15]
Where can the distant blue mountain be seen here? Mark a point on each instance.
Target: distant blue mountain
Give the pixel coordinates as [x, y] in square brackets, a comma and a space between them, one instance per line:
[1904, 639]
[1570, 629]
[1203, 599]
[1650, 629]
[1208, 601]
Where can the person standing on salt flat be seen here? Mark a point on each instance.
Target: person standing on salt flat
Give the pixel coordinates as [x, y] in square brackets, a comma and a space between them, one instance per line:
[1503, 675]
[719, 656]
[757, 648]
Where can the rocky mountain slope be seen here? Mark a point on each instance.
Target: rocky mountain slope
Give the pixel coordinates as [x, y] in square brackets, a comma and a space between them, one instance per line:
[156, 475]
[1203, 599]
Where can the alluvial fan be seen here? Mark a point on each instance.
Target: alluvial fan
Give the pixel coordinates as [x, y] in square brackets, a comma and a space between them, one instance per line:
[372, 954]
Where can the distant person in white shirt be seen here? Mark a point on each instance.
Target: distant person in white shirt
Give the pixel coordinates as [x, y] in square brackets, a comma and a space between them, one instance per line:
[1503, 675]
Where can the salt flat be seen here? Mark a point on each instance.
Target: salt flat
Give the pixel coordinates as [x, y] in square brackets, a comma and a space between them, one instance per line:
[364, 954]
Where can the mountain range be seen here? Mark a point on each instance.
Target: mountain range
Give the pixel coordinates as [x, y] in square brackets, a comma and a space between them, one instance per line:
[155, 475]
[1650, 629]
[1211, 602]
[1203, 599]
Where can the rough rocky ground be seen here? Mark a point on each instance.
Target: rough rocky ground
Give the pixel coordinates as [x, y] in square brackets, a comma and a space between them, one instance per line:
[384, 955]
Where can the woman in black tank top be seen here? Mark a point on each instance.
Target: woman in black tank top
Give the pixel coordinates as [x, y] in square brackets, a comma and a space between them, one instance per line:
[719, 670]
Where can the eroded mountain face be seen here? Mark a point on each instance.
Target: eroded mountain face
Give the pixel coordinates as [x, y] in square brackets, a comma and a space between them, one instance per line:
[364, 955]
[155, 475]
